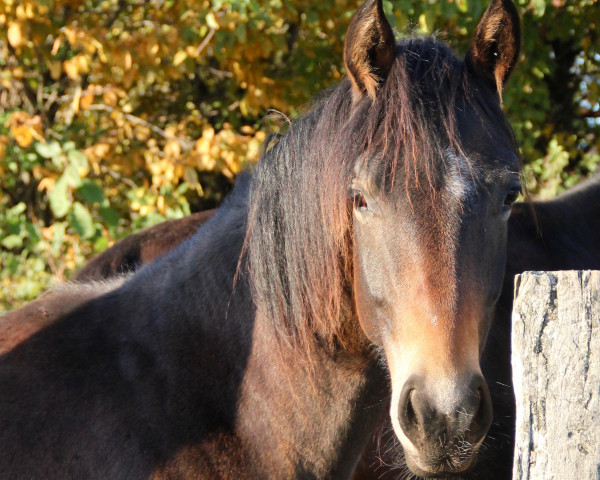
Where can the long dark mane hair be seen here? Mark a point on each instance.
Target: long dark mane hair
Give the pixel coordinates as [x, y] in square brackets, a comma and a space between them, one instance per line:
[299, 218]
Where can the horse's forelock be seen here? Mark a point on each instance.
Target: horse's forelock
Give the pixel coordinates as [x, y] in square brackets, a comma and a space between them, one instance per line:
[299, 216]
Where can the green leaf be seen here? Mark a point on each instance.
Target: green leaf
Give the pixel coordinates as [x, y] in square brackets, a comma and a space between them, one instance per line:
[539, 7]
[33, 233]
[71, 176]
[101, 244]
[17, 210]
[77, 158]
[89, 192]
[58, 237]
[110, 216]
[81, 221]
[48, 150]
[240, 32]
[12, 241]
[151, 219]
[59, 198]
[463, 5]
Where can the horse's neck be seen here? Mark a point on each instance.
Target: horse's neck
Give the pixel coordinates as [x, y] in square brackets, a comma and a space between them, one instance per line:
[282, 414]
[308, 417]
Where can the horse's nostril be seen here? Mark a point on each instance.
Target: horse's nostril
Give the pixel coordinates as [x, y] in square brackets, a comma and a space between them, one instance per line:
[480, 412]
[483, 417]
[411, 416]
[408, 411]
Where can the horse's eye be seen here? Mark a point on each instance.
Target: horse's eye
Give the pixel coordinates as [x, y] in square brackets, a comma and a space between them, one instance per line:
[511, 197]
[358, 200]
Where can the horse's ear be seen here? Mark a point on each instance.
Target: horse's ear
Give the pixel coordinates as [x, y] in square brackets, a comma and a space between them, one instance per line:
[495, 47]
[370, 49]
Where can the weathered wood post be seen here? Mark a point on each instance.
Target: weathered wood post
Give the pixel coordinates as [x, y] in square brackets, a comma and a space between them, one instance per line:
[556, 375]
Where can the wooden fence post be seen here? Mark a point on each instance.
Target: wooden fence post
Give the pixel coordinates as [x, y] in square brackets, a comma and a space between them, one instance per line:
[556, 375]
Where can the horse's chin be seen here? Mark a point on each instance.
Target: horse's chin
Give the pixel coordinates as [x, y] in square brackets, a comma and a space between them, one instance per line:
[443, 467]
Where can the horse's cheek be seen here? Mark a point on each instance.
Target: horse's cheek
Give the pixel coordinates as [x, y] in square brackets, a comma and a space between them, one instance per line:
[368, 305]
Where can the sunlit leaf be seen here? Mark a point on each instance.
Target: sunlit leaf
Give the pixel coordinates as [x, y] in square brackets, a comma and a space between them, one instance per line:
[179, 57]
[12, 241]
[72, 176]
[48, 150]
[18, 209]
[14, 34]
[59, 198]
[211, 21]
[81, 221]
[77, 158]
[463, 5]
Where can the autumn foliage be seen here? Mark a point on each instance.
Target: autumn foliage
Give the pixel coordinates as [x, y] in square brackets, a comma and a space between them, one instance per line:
[117, 114]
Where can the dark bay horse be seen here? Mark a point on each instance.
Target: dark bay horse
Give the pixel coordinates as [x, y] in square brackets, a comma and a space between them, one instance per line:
[560, 234]
[367, 247]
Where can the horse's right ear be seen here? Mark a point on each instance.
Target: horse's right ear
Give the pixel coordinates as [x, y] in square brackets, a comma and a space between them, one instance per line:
[369, 50]
[495, 47]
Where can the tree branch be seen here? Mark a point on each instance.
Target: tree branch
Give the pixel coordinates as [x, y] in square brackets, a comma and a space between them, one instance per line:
[133, 119]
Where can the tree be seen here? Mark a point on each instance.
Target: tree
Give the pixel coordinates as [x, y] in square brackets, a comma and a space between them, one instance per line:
[116, 114]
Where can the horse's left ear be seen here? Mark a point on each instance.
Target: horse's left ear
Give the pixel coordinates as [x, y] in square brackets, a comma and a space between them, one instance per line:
[370, 49]
[495, 47]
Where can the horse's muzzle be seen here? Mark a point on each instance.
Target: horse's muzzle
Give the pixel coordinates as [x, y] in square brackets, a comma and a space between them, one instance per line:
[445, 433]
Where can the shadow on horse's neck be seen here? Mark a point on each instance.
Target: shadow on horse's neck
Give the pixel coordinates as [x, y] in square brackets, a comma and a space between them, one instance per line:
[314, 419]
[290, 413]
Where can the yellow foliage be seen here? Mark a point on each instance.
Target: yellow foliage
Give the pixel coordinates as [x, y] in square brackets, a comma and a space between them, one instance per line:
[109, 97]
[46, 184]
[14, 34]
[25, 128]
[172, 149]
[55, 68]
[179, 57]
[4, 140]
[76, 66]
[48, 232]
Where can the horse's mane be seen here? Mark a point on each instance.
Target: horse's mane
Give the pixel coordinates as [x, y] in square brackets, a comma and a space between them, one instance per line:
[299, 216]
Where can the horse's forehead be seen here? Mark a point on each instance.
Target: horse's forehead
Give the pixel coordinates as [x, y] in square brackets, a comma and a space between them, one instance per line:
[461, 177]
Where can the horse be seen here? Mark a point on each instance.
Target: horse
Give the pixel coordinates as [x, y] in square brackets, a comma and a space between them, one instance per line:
[365, 254]
[560, 234]
[129, 253]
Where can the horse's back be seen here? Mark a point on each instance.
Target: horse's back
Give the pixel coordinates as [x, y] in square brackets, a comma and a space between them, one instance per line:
[106, 380]
[143, 247]
[18, 325]
[66, 410]
[87, 397]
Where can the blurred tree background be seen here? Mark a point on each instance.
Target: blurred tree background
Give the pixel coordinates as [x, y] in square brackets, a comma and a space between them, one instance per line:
[117, 114]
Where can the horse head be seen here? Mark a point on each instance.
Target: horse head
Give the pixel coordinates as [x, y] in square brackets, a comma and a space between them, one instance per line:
[431, 194]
